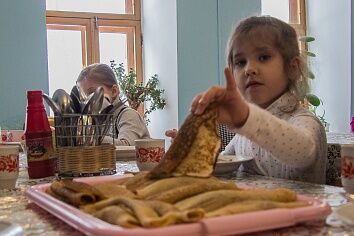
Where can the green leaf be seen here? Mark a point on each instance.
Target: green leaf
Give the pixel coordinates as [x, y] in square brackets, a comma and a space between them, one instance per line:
[313, 99]
[307, 53]
[311, 75]
[306, 39]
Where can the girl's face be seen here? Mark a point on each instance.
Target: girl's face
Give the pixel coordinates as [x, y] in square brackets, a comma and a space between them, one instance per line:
[259, 72]
[89, 86]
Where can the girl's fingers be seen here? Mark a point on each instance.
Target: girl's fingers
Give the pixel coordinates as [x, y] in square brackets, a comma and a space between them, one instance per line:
[230, 79]
[201, 102]
[195, 102]
[172, 133]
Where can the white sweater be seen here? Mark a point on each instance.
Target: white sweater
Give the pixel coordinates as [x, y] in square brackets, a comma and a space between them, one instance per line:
[286, 141]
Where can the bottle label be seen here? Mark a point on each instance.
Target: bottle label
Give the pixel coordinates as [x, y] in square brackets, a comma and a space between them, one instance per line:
[39, 149]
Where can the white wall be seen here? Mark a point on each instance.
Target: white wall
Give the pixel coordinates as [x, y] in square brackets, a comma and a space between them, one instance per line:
[330, 23]
[160, 57]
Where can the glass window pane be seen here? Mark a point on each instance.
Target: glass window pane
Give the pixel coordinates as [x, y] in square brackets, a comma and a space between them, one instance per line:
[98, 6]
[113, 46]
[276, 8]
[64, 58]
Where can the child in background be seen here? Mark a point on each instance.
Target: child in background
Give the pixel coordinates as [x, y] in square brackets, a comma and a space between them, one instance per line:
[129, 124]
[262, 103]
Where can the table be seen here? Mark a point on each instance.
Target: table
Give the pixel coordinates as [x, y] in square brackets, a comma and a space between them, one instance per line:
[16, 208]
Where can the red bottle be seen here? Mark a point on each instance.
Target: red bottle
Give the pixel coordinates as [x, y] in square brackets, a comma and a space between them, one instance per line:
[40, 154]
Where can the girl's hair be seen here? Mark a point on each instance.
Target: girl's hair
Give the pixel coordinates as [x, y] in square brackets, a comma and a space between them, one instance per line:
[100, 73]
[283, 37]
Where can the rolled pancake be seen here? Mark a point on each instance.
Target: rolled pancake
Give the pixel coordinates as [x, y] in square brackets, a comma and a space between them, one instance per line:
[194, 150]
[109, 190]
[185, 191]
[138, 181]
[71, 197]
[92, 208]
[51, 193]
[256, 205]
[117, 216]
[213, 200]
[166, 184]
[149, 215]
[82, 188]
[163, 208]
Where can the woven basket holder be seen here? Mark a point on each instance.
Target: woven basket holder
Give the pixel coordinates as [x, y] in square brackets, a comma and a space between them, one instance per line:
[86, 159]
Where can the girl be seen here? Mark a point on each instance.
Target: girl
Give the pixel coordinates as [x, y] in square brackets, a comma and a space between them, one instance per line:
[261, 103]
[129, 125]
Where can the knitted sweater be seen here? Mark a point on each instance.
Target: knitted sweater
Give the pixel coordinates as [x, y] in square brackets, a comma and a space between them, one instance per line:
[286, 141]
[129, 126]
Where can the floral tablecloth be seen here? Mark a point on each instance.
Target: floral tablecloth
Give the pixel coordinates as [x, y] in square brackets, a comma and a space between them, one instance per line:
[16, 208]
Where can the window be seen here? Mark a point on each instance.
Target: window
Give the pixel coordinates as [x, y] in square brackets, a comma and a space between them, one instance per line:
[83, 32]
[291, 11]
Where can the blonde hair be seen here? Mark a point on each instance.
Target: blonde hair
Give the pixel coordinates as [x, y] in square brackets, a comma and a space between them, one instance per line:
[284, 39]
[100, 73]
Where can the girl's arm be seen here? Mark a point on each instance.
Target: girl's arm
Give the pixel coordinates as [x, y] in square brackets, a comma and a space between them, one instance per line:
[131, 126]
[296, 142]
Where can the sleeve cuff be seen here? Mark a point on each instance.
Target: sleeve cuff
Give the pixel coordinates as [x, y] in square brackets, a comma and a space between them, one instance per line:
[253, 122]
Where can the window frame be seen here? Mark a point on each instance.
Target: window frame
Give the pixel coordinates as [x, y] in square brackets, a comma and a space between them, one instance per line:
[297, 19]
[60, 20]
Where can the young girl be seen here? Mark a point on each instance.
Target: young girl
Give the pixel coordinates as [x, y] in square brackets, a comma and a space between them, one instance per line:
[129, 124]
[261, 103]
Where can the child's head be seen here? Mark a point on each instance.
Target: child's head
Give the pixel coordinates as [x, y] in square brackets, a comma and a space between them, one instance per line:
[263, 53]
[96, 75]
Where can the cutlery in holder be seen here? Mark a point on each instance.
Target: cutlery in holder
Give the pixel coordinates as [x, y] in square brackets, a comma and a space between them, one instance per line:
[82, 147]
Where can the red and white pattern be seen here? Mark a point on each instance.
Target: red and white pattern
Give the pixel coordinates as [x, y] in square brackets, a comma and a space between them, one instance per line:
[9, 163]
[153, 154]
[348, 167]
[12, 136]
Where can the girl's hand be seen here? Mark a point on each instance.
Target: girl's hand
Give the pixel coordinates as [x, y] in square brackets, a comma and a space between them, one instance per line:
[172, 133]
[232, 107]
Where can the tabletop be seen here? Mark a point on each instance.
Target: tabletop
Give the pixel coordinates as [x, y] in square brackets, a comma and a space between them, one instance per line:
[16, 208]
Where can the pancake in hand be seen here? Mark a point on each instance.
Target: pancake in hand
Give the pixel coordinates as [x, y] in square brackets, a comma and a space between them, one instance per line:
[195, 149]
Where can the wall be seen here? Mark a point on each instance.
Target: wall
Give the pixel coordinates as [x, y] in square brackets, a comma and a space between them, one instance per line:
[160, 57]
[197, 44]
[23, 59]
[230, 12]
[330, 24]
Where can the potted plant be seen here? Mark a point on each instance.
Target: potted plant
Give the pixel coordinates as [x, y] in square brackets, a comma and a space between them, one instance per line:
[314, 101]
[137, 93]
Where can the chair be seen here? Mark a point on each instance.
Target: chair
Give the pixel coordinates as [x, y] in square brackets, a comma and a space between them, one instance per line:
[225, 135]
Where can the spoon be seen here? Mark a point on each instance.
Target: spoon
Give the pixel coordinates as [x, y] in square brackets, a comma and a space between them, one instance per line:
[94, 109]
[97, 102]
[75, 97]
[53, 105]
[63, 99]
[86, 104]
[82, 96]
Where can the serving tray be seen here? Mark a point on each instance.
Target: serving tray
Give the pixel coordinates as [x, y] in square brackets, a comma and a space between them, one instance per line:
[224, 225]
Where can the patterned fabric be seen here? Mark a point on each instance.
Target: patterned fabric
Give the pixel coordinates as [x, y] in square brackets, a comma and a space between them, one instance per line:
[226, 136]
[333, 165]
[286, 141]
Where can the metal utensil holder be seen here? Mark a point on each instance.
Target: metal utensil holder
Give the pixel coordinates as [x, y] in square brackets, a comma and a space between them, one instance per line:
[82, 144]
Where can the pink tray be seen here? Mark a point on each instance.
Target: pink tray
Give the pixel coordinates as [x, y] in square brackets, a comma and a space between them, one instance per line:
[224, 225]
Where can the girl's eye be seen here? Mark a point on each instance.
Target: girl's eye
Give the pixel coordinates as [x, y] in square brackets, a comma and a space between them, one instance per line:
[264, 58]
[240, 63]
